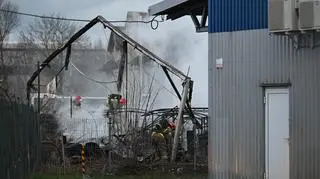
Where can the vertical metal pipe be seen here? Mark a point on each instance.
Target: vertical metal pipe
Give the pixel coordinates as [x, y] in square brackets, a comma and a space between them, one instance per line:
[38, 66]
[152, 121]
[125, 54]
[195, 142]
[71, 106]
[63, 155]
[141, 74]
[38, 121]
[110, 140]
[179, 120]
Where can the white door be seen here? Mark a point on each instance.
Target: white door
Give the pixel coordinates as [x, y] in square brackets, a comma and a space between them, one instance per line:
[277, 133]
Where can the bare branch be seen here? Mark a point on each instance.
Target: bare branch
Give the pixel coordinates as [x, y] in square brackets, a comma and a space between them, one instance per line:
[155, 98]
[4, 92]
[8, 21]
[50, 34]
[41, 37]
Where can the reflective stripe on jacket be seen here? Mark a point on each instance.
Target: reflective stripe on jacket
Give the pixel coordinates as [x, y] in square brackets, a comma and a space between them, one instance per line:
[157, 134]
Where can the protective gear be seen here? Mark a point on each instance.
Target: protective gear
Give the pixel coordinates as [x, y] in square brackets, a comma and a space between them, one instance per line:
[164, 123]
[168, 135]
[77, 101]
[159, 144]
[114, 101]
[172, 125]
[162, 139]
[123, 101]
[157, 128]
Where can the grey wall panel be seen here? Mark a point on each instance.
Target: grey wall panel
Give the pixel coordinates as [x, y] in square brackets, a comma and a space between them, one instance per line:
[236, 107]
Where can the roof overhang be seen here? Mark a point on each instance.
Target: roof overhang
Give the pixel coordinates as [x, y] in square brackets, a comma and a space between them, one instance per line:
[175, 9]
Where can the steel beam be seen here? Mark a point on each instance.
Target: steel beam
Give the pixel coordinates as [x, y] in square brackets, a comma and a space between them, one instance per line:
[46, 62]
[121, 66]
[67, 60]
[195, 20]
[179, 120]
[142, 49]
[204, 17]
[164, 6]
[200, 26]
[171, 82]
[114, 29]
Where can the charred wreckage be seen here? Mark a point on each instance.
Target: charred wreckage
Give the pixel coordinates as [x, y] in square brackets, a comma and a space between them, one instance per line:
[180, 114]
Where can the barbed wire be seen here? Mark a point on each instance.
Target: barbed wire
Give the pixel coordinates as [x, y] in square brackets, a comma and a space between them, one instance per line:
[152, 22]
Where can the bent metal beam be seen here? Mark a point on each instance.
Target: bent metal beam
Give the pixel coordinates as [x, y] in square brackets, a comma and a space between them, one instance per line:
[99, 19]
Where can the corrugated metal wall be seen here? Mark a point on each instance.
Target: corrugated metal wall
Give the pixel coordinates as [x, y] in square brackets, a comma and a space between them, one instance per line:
[236, 106]
[235, 15]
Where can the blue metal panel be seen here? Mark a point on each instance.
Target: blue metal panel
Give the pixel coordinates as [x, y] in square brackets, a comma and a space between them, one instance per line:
[236, 15]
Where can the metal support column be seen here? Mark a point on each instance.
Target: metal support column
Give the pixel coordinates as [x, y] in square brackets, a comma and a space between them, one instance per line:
[195, 147]
[39, 106]
[63, 154]
[71, 106]
[179, 120]
[110, 141]
[125, 56]
[39, 116]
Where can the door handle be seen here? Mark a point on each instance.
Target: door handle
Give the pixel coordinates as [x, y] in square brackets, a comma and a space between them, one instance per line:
[287, 139]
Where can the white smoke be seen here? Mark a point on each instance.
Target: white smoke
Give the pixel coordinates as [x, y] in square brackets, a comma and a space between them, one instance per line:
[84, 123]
[174, 41]
[179, 44]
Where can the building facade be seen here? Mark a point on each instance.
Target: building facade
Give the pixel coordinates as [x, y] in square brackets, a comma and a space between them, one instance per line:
[256, 131]
[263, 90]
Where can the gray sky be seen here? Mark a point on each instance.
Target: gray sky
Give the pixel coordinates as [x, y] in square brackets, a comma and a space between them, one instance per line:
[82, 9]
[194, 46]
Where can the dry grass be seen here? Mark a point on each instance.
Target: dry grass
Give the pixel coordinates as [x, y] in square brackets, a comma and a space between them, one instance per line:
[143, 174]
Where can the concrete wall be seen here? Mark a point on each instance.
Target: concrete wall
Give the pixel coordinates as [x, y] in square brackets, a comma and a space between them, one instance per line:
[236, 108]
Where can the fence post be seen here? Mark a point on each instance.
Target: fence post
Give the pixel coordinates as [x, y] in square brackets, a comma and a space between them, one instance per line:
[63, 155]
[195, 147]
[83, 164]
[110, 140]
[20, 139]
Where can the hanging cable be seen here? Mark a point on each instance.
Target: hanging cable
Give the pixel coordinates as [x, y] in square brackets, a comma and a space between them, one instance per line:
[154, 23]
[103, 83]
[89, 78]
[157, 81]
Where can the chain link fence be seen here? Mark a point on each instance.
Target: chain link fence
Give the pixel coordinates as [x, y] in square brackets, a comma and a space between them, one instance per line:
[20, 141]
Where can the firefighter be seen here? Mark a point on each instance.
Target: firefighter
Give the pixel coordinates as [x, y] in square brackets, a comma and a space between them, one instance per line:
[162, 139]
[77, 101]
[168, 134]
